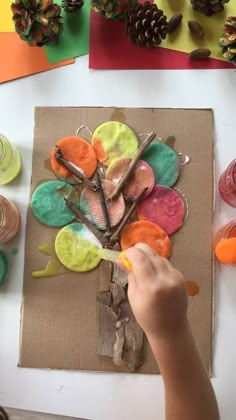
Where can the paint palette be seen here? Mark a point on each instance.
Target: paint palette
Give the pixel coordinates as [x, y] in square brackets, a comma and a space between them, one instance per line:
[142, 177]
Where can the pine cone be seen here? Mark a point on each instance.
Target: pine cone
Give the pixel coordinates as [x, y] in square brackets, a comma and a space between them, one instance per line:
[146, 25]
[38, 22]
[113, 9]
[228, 40]
[208, 7]
[71, 6]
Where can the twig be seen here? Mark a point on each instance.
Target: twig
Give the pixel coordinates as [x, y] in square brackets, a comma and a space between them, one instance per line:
[78, 174]
[3, 414]
[115, 236]
[103, 205]
[99, 235]
[131, 166]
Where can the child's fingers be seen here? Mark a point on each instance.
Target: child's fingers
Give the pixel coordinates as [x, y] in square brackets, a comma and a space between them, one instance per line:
[145, 248]
[160, 263]
[142, 267]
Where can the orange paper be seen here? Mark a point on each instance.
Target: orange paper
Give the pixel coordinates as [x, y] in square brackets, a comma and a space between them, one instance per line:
[19, 60]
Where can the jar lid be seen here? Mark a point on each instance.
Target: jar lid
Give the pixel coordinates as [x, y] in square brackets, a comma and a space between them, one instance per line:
[3, 267]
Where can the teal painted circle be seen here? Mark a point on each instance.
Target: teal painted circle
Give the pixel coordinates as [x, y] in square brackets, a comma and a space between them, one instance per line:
[48, 204]
[164, 162]
[3, 267]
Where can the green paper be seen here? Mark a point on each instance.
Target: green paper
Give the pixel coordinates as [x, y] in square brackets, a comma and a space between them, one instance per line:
[74, 40]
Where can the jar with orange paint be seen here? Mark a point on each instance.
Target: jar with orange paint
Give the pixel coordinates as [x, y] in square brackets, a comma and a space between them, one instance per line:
[227, 231]
[9, 220]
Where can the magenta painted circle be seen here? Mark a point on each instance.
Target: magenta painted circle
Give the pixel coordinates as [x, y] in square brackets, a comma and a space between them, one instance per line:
[164, 207]
[142, 177]
[91, 207]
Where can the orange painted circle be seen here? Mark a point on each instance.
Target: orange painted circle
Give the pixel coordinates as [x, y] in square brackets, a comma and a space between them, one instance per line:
[149, 233]
[78, 151]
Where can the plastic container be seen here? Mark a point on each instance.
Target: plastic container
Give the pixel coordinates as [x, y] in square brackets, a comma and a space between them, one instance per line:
[227, 184]
[9, 220]
[225, 232]
[10, 161]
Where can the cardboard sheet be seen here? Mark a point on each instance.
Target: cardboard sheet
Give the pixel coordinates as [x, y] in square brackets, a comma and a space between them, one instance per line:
[110, 48]
[59, 314]
[74, 40]
[182, 40]
[19, 60]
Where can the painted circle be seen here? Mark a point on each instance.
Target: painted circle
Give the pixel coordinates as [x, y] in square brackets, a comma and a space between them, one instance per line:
[48, 204]
[142, 177]
[164, 207]
[112, 140]
[90, 205]
[149, 233]
[164, 162]
[79, 152]
[77, 248]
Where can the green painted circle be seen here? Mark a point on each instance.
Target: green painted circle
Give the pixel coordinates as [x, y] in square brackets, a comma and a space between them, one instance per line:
[77, 248]
[164, 162]
[3, 267]
[48, 204]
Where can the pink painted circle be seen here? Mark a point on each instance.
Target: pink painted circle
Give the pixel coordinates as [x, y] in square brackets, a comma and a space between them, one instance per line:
[142, 177]
[164, 207]
[91, 207]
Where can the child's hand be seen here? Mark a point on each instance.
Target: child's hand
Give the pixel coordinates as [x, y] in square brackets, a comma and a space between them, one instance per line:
[156, 291]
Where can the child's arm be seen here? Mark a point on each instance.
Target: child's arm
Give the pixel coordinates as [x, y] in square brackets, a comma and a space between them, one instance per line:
[157, 294]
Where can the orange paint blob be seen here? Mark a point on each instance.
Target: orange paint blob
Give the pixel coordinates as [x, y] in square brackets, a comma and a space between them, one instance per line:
[225, 250]
[149, 233]
[78, 151]
[102, 156]
[192, 288]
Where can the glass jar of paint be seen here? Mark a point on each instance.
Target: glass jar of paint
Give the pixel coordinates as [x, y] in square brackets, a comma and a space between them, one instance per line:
[10, 161]
[9, 220]
[227, 184]
[225, 232]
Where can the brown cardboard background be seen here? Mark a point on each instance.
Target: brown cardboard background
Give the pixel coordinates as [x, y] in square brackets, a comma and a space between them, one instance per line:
[59, 323]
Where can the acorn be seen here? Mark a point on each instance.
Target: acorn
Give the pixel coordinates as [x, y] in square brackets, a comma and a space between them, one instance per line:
[196, 29]
[200, 54]
[174, 22]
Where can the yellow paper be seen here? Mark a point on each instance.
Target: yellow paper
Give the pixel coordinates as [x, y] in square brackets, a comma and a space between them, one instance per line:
[6, 22]
[182, 39]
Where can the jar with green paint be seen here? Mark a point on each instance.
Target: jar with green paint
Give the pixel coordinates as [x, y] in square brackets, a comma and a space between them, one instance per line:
[10, 161]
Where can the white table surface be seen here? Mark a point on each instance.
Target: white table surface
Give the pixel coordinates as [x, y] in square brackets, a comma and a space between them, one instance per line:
[112, 396]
